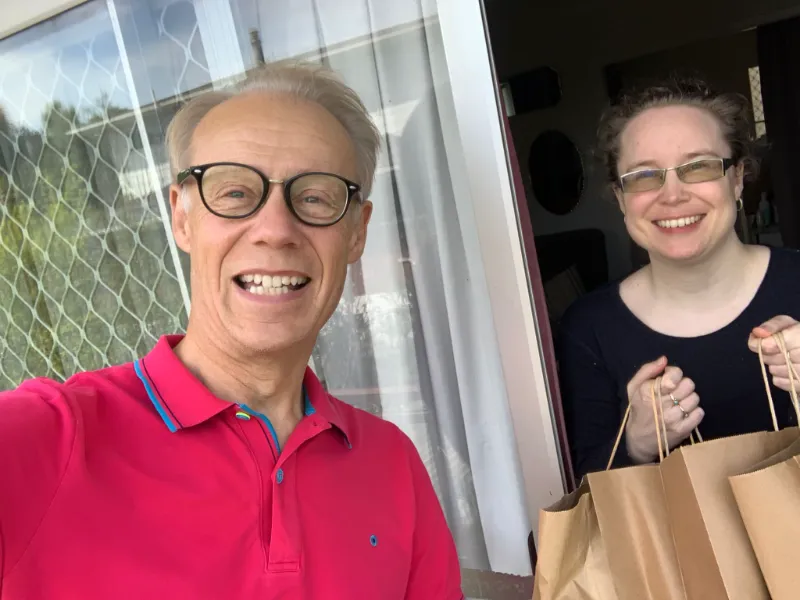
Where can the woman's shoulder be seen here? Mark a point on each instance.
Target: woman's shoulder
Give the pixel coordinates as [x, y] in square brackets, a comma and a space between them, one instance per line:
[784, 260]
[782, 276]
[592, 309]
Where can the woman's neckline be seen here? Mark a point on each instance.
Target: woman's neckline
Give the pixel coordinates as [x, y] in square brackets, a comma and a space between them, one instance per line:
[742, 313]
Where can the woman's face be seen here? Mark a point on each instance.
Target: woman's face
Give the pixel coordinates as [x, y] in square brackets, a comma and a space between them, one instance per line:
[678, 221]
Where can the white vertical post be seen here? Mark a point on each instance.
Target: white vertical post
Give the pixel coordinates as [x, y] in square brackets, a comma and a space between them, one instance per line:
[152, 171]
[220, 41]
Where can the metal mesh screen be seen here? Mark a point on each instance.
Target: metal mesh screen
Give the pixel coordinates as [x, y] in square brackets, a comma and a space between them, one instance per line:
[86, 274]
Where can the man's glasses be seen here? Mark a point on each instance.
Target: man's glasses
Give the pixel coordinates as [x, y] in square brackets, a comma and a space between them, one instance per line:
[697, 171]
[236, 191]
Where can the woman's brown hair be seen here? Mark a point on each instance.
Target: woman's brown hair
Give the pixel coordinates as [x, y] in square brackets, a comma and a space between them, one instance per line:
[732, 111]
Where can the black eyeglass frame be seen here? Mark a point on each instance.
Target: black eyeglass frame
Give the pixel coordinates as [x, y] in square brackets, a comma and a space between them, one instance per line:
[727, 163]
[198, 171]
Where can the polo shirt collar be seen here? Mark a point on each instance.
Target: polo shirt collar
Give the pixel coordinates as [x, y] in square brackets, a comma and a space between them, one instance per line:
[182, 401]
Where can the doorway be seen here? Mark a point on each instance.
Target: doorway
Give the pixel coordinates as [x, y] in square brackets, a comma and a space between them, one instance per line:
[561, 63]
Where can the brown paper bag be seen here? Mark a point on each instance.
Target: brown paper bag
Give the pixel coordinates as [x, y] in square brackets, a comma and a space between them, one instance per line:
[769, 502]
[634, 524]
[609, 539]
[573, 563]
[768, 497]
[673, 530]
[714, 551]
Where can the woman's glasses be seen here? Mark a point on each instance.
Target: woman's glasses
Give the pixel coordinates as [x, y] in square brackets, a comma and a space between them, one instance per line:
[697, 171]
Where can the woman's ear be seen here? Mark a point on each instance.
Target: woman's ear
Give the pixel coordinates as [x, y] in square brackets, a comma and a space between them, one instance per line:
[739, 180]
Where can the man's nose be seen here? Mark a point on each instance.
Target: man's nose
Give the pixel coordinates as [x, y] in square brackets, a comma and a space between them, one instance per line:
[274, 224]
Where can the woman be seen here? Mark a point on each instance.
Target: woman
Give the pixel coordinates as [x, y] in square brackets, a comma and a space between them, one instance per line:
[676, 157]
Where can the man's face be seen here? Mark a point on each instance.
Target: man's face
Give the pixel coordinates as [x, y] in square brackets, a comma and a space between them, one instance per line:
[280, 136]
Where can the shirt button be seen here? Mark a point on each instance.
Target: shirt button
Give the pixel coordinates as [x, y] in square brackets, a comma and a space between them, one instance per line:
[279, 476]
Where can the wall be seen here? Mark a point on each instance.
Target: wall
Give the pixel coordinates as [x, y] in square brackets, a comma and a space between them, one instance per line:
[18, 15]
[722, 61]
[578, 38]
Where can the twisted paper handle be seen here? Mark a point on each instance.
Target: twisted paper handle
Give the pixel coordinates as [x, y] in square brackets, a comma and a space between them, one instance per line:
[658, 405]
[792, 377]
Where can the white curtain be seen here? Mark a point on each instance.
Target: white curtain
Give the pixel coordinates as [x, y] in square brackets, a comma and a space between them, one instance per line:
[413, 339]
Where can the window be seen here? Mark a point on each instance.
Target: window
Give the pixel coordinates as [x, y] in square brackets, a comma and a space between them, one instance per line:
[758, 103]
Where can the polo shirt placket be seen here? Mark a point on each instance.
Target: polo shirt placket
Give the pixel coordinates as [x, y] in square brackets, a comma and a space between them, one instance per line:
[276, 466]
[277, 493]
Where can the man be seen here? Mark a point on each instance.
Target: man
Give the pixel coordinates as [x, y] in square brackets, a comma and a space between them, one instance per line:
[217, 466]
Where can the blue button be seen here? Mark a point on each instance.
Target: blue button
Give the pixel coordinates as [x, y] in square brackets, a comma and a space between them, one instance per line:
[373, 539]
[279, 476]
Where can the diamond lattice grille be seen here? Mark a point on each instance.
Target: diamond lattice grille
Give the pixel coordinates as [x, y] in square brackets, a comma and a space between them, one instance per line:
[86, 274]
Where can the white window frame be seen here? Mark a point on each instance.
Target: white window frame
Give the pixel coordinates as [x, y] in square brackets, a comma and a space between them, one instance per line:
[19, 15]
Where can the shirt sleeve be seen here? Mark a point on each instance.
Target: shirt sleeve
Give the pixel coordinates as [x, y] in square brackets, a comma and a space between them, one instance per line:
[591, 400]
[435, 570]
[37, 432]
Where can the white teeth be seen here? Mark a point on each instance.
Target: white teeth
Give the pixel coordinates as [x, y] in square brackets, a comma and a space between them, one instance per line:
[682, 222]
[270, 284]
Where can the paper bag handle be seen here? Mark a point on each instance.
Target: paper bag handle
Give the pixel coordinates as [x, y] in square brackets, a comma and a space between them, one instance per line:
[792, 376]
[661, 426]
[663, 449]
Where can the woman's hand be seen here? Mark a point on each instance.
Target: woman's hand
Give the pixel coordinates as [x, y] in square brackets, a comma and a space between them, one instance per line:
[773, 357]
[681, 410]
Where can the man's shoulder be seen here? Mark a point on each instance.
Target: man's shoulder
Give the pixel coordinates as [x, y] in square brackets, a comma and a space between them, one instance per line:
[39, 394]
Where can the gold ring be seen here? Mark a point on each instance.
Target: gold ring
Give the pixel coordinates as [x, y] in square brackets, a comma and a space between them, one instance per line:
[675, 401]
[683, 410]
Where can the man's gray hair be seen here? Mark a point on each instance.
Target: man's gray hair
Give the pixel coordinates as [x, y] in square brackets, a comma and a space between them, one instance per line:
[305, 81]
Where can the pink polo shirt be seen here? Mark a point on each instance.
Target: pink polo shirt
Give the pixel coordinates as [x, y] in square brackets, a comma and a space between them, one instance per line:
[135, 482]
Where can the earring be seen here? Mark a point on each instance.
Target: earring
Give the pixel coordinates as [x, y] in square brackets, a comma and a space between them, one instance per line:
[740, 204]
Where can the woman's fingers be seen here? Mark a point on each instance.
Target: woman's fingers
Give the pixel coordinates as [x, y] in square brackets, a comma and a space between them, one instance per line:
[683, 389]
[764, 333]
[670, 380]
[674, 415]
[687, 425]
[782, 383]
[781, 371]
[780, 359]
[647, 372]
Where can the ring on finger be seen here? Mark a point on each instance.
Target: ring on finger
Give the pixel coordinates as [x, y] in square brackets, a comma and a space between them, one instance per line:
[675, 401]
[683, 410]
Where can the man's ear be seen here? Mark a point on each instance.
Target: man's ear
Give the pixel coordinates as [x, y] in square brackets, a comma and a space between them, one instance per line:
[180, 219]
[358, 238]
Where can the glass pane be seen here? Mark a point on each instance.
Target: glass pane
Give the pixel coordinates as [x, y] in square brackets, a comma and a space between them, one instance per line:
[84, 255]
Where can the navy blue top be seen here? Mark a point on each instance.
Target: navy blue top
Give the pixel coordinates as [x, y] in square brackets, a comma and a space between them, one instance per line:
[602, 344]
